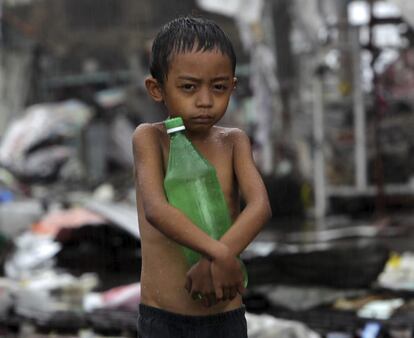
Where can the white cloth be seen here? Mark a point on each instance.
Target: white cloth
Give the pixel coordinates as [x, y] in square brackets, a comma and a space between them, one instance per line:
[266, 326]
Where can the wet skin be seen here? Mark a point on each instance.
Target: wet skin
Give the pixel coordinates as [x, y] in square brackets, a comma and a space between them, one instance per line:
[197, 88]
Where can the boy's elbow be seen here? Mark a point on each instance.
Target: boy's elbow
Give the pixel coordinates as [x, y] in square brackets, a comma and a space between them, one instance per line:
[264, 205]
[262, 208]
[269, 213]
[151, 217]
[267, 210]
[152, 213]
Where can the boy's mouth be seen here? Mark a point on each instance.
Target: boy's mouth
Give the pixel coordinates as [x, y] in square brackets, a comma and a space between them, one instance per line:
[202, 119]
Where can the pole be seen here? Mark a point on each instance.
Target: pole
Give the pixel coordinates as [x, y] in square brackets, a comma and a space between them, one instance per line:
[359, 115]
[319, 157]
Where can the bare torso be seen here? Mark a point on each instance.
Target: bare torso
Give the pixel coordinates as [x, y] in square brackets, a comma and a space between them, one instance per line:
[164, 268]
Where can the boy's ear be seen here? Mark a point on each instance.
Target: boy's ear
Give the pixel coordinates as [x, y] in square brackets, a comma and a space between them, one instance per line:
[234, 82]
[153, 89]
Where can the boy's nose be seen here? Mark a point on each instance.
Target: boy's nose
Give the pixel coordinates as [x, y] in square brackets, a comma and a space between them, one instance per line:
[204, 98]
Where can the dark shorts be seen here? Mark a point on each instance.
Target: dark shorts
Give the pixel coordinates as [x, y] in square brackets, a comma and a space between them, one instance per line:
[157, 323]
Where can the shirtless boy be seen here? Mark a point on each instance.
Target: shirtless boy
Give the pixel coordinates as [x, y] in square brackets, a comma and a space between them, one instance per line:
[193, 75]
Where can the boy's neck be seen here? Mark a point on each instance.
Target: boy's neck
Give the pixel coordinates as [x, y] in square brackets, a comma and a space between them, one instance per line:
[198, 136]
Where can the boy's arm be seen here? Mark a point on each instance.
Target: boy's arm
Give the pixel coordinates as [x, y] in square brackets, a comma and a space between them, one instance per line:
[257, 210]
[167, 219]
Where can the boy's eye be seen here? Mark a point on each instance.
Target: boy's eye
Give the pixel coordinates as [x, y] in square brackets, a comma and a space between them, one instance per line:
[188, 87]
[220, 87]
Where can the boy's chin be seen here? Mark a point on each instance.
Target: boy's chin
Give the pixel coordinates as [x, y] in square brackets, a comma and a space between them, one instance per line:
[199, 128]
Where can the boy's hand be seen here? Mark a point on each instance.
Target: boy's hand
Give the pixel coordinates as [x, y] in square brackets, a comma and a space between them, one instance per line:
[199, 283]
[227, 275]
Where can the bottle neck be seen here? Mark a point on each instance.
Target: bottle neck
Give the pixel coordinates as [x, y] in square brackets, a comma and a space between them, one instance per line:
[176, 133]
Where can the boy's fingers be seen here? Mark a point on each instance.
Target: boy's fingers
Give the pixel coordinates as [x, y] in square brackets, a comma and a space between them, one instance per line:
[226, 293]
[196, 296]
[214, 299]
[188, 284]
[206, 302]
[233, 293]
[219, 292]
[241, 289]
[209, 299]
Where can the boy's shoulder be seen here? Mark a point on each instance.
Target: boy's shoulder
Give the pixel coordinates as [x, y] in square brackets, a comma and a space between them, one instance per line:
[231, 134]
[148, 130]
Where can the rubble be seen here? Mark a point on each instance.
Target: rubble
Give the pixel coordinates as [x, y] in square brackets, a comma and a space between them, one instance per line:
[71, 97]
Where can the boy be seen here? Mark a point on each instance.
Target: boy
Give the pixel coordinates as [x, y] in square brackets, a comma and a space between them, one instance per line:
[193, 75]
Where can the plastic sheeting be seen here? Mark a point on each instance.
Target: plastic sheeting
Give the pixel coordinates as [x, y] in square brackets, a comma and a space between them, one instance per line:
[244, 10]
[398, 273]
[124, 215]
[56, 221]
[23, 149]
[407, 10]
[309, 24]
[17, 216]
[34, 255]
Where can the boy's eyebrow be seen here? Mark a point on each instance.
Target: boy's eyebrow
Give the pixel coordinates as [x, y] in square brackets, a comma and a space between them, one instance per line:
[222, 78]
[192, 78]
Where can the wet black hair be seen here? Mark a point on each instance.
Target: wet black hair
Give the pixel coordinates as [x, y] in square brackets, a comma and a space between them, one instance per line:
[183, 35]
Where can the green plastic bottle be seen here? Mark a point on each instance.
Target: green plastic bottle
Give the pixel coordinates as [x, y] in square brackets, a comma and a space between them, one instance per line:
[191, 185]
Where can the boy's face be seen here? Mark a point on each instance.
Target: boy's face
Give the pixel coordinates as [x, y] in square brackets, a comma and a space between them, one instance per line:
[198, 88]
